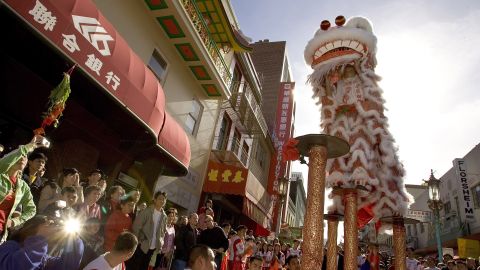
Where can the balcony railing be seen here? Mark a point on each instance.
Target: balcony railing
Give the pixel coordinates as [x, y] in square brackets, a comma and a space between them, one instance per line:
[256, 110]
[200, 25]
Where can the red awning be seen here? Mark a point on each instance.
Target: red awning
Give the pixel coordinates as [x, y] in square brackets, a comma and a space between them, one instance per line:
[83, 34]
[255, 213]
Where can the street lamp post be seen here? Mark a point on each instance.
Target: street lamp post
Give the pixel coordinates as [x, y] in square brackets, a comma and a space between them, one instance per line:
[282, 194]
[436, 205]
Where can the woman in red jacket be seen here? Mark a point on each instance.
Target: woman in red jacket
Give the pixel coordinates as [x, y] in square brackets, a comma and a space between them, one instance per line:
[118, 222]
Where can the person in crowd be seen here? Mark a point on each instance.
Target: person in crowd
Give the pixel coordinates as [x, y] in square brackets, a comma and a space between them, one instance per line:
[471, 264]
[202, 225]
[93, 178]
[451, 265]
[278, 258]
[238, 249]
[231, 236]
[284, 249]
[255, 263]
[201, 258]
[90, 208]
[166, 254]
[293, 262]
[181, 221]
[33, 174]
[295, 250]
[28, 247]
[250, 234]
[118, 222]
[142, 206]
[51, 192]
[461, 265]
[208, 204]
[112, 200]
[14, 192]
[122, 250]
[268, 257]
[150, 226]
[214, 237]
[135, 194]
[226, 228]
[412, 263]
[69, 197]
[92, 241]
[185, 239]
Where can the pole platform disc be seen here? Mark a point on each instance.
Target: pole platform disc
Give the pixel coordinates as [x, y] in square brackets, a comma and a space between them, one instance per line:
[336, 147]
[392, 219]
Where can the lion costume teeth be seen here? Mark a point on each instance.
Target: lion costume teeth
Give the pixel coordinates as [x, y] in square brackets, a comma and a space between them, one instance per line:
[352, 108]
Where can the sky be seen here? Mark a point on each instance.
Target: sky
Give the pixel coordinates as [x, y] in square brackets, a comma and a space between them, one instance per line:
[428, 55]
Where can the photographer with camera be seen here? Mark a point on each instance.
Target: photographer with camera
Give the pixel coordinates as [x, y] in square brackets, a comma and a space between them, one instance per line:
[14, 192]
[28, 248]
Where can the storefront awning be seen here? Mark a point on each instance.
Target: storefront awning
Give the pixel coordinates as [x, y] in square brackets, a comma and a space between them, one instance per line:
[79, 30]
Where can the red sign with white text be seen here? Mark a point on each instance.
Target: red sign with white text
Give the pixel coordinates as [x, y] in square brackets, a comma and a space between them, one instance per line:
[281, 134]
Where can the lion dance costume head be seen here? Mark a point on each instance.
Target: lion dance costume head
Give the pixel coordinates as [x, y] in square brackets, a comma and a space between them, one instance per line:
[352, 108]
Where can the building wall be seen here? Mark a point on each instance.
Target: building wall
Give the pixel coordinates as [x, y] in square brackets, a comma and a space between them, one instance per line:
[452, 216]
[134, 22]
[269, 60]
[298, 198]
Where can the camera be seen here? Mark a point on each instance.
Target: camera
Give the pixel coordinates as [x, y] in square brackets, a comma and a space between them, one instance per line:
[69, 224]
[45, 143]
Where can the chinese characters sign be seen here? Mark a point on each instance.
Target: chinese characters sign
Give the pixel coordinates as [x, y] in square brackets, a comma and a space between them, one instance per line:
[281, 133]
[227, 179]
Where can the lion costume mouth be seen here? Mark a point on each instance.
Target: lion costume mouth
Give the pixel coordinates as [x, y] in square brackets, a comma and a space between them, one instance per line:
[338, 48]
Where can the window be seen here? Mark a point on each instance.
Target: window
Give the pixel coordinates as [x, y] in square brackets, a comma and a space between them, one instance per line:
[476, 195]
[260, 155]
[158, 66]
[193, 117]
[422, 228]
[236, 141]
[223, 133]
[447, 207]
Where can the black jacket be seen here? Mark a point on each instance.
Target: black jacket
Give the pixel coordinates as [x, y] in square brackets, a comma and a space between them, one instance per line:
[214, 238]
[185, 239]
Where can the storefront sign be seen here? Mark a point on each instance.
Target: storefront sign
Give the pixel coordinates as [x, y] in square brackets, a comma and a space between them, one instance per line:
[225, 179]
[80, 31]
[422, 216]
[466, 197]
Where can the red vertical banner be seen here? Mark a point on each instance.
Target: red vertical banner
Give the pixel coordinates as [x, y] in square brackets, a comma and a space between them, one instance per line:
[281, 134]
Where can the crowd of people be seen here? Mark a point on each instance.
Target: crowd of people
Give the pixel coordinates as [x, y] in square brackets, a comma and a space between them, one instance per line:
[69, 223]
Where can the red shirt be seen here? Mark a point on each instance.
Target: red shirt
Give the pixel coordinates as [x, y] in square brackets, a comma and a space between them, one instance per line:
[117, 223]
[7, 204]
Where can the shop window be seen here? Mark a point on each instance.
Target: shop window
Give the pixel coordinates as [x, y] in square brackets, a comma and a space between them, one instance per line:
[476, 195]
[193, 117]
[158, 65]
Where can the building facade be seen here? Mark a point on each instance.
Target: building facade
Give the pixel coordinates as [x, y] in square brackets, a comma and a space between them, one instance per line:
[460, 213]
[278, 105]
[297, 197]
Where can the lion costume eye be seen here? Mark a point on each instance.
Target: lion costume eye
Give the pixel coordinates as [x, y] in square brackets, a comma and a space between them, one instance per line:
[340, 20]
[325, 25]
